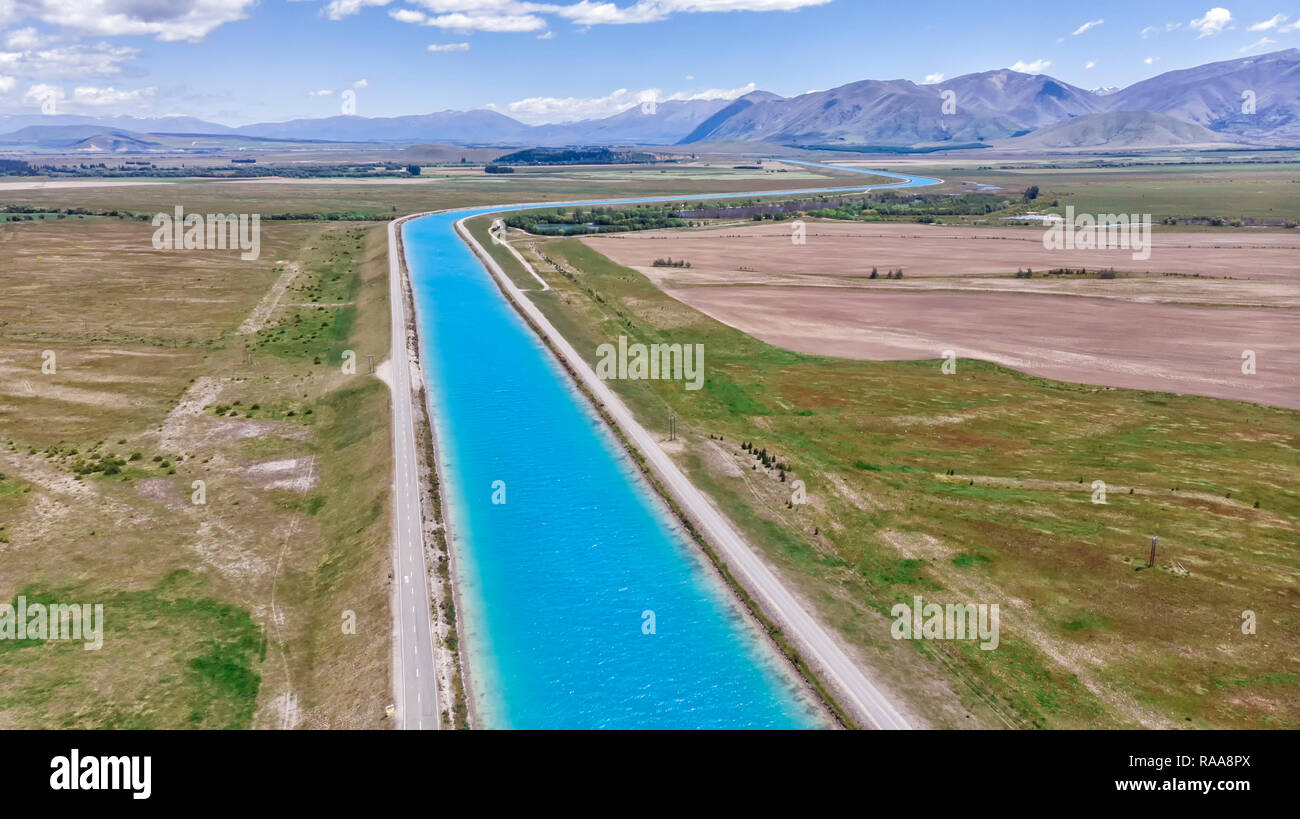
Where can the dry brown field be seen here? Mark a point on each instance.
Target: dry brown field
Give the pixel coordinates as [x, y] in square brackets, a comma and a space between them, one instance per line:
[1181, 322]
[225, 510]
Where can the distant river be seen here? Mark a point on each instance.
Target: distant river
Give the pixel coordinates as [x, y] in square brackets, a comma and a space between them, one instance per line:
[556, 582]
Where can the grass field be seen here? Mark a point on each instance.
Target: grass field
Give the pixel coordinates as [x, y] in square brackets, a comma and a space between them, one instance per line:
[391, 198]
[978, 487]
[1227, 191]
[226, 613]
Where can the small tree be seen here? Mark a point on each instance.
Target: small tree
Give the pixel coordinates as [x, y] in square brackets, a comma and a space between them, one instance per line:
[413, 170]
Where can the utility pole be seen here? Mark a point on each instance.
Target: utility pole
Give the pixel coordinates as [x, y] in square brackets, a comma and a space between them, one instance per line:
[372, 363]
[1151, 561]
[672, 428]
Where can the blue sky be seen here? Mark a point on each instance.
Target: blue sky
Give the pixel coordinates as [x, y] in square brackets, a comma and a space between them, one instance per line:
[241, 61]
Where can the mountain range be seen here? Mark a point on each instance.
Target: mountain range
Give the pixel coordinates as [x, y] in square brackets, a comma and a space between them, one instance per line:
[1249, 101]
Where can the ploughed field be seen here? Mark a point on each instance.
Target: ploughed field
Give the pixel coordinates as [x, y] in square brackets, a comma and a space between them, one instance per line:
[1190, 319]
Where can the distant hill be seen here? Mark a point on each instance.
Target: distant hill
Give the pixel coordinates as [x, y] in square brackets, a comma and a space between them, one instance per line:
[55, 135]
[1250, 101]
[730, 110]
[1128, 130]
[117, 143]
[138, 125]
[664, 124]
[1030, 100]
[988, 106]
[1214, 95]
[574, 156]
[447, 126]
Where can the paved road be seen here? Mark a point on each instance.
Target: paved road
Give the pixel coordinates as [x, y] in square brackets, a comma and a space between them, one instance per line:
[817, 646]
[415, 680]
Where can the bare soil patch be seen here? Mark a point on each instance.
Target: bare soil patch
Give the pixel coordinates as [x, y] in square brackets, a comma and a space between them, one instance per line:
[849, 249]
[1168, 348]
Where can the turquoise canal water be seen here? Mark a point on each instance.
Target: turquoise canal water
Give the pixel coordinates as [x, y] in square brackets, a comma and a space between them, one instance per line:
[556, 582]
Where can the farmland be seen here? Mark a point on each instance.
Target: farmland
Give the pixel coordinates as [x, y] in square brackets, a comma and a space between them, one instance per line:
[997, 294]
[219, 486]
[980, 486]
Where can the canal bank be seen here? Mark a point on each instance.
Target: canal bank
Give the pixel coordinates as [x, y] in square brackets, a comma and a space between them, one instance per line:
[558, 587]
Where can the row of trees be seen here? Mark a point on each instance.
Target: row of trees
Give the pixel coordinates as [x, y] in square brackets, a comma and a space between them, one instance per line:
[579, 221]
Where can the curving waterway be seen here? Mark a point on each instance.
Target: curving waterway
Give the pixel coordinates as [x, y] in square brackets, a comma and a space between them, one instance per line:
[558, 582]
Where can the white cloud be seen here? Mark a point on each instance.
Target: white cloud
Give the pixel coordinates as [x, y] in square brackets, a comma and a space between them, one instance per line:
[521, 16]
[338, 9]
[539, 110]
[931, 79]
[26, 39]
[1090, 64]
[1149, 30]
[98, 97]
[41, 92]
[101, 60]
[714, 93]
[1036, 67]
[1214, 21]
[362, 83]
[1151, 60]
[546, 35]
[87, 97]
[435, 49]
[466, 23]
[1271, 23]
[1091, 24]
[1260, 43]
[324, 92]
[587, 13]
[170, 22]
[7, 84]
